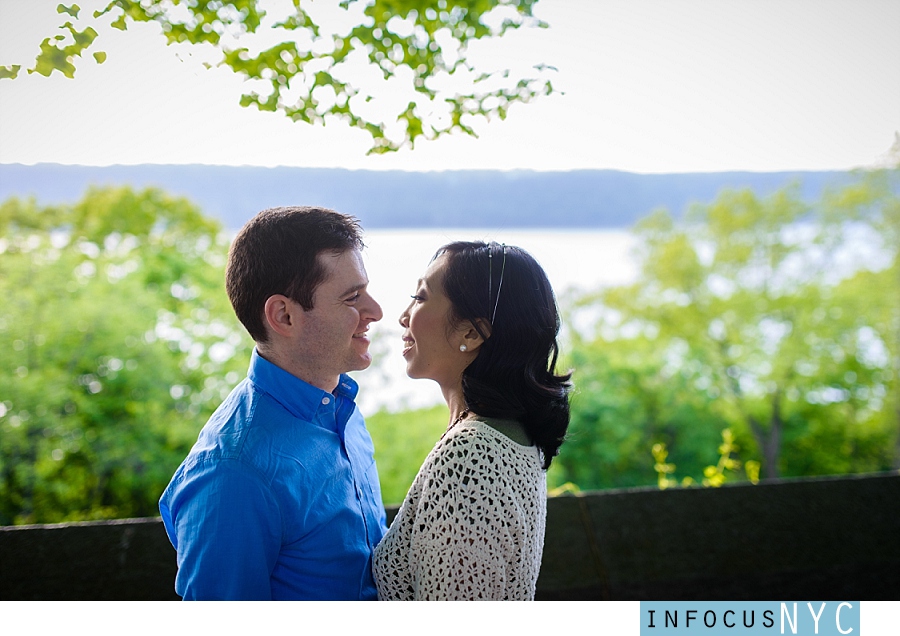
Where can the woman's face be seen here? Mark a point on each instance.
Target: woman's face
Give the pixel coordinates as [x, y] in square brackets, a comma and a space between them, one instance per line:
[431, 344]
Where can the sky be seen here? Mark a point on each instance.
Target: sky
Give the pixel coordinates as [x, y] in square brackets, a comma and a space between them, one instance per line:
[645, 86]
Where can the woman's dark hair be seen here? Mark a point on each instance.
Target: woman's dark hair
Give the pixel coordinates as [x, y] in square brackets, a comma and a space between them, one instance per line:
[276, 252]
[514, 376]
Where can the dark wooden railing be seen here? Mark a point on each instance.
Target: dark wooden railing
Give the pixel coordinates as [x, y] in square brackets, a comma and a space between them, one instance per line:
[826, 538]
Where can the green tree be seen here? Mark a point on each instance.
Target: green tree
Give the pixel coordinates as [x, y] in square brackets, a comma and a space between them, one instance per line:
[871, 298]
[743, 318]
[418, 47]
[402, 441]
[625, 395]
[116, 343]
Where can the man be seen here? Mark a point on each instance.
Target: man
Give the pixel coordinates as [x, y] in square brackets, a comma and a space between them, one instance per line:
[279, 498]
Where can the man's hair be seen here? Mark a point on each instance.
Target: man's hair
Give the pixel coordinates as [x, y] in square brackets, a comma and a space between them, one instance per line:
[276, 252]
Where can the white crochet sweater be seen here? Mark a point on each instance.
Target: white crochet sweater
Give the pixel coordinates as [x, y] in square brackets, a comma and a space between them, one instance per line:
[471, 526]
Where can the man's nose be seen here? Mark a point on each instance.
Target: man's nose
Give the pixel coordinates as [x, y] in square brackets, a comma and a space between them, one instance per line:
[375, 311]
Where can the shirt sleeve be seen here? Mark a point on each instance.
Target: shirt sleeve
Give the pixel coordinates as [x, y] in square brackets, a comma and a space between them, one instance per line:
[226, 528]
[461, 544]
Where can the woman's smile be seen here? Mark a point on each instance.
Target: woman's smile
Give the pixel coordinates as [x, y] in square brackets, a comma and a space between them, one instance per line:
[408, 344]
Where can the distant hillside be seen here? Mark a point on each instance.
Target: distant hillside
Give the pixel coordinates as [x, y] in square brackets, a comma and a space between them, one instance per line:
[392, 199]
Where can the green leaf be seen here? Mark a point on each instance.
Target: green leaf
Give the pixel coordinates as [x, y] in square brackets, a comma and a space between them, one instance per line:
[100, 56]
[119, 23]
[9, 72]
[52, 58]
[72, 11]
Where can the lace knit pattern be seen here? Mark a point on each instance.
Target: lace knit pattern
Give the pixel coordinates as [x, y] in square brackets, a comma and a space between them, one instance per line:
[471, 526]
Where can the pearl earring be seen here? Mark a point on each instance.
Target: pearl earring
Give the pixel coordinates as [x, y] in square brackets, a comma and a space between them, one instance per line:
[463, 348]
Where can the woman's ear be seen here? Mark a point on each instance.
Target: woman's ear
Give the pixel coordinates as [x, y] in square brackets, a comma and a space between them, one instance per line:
[279, 315]
[472, 337]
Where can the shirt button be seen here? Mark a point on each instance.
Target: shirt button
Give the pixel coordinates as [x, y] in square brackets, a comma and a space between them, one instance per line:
[326, 400]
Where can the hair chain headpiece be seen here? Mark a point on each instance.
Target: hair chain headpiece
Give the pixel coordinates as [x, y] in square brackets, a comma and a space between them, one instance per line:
[491, 282]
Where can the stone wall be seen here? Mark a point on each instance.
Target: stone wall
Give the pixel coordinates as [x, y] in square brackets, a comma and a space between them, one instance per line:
[825, 538]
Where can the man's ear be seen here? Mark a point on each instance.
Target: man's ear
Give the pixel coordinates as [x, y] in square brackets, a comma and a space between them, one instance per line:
[280, 313]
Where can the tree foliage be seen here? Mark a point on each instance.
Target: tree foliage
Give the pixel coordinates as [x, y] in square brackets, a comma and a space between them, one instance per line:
[626, 399]
[402, 441]
[116, 343]
[770, 318]
[766, 316]
[302, 62]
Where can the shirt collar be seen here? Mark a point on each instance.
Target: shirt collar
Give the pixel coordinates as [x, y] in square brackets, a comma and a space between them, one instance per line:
[300, 398]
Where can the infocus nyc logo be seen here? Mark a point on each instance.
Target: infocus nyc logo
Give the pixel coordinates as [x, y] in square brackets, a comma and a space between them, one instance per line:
[801, 618]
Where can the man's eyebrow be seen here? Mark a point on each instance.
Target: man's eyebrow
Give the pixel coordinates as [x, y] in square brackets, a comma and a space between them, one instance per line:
[355, 289]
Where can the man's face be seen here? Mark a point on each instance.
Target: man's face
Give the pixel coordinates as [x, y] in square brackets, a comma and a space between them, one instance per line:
[334, 337]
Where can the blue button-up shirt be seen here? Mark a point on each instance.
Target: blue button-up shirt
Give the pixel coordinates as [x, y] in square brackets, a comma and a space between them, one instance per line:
[279, 497]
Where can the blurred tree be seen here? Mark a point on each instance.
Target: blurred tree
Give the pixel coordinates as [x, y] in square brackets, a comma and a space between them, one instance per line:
[116, 343]
[754, 314]
[402, 441]
[298, 60]
[625, 395]
[871, 298]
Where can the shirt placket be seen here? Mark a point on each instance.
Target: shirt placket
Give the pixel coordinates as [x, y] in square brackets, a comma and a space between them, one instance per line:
[345, 410]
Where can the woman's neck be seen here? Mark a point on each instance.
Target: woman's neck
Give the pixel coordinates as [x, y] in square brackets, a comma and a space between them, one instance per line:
[456, 401]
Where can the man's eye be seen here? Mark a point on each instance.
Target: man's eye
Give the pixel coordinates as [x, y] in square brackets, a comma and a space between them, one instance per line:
[353, 298]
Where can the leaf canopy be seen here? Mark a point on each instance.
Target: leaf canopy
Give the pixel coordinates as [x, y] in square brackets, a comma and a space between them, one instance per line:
[305, 64]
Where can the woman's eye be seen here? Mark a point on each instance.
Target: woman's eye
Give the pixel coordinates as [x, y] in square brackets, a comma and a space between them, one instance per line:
[417, 298]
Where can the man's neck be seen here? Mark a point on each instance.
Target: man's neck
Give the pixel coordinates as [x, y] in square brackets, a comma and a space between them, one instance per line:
[327, 384]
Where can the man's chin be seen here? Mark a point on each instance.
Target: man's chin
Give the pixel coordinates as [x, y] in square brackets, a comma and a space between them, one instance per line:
[362, 362]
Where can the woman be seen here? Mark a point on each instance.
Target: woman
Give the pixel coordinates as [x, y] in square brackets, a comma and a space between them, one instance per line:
[482, 324]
